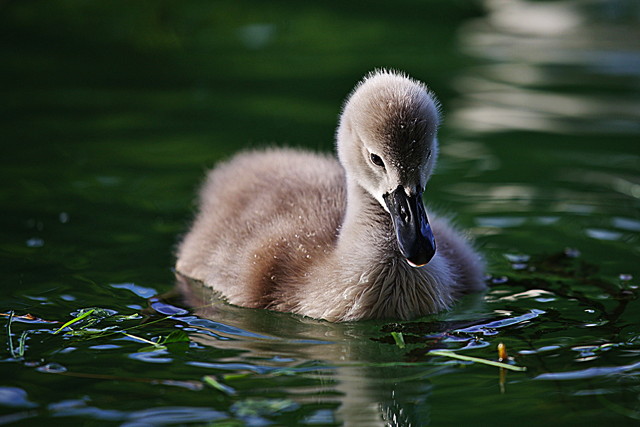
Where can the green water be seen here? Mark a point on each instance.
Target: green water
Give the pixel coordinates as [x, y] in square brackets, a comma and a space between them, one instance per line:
[112, 111]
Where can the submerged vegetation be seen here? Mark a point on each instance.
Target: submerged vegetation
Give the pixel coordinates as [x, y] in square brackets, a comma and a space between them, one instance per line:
[423, 344]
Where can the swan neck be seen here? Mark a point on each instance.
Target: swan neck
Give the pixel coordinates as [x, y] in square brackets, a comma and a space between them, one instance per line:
[365, 220]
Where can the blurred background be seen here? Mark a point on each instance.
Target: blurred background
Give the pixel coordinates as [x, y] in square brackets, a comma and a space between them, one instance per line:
[111, 112]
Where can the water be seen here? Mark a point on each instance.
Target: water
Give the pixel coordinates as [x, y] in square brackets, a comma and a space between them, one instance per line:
[112, 111]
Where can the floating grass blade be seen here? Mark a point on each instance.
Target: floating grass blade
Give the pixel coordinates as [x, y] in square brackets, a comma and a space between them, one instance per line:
[113, 330]
[175, 338]
[232, 377]
[11, 349]
[21, 343]
[213, 382]
[144, 340]
[74, 320]
[398, 338]
[476, 359]
[19, 353]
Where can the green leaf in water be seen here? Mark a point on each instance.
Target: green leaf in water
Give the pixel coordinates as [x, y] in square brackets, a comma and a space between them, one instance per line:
[112, 330]
[177, 340]
[177, 336]
[22, 343]
[12, 350]
[88, 317]
[453, 355]
[144, 340]
[91, 333]
[83, 313]
[232, 377]
[213, 382]
[19, 353]
[123, 317]
[22, 346]
[398, 338]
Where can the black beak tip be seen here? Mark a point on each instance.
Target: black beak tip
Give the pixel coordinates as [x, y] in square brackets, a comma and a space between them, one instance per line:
[421, 260]
[413, 231]
[422, 256]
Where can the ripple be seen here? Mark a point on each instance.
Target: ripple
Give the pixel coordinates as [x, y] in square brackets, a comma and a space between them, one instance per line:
[233, 367]
[490, 328]
[15, 397]
[35, 242]
[173, 415]
[500, 222]
[535, 47]
[79, 408]
[535, 294]
[588, 373]
[141, 291]
[543, 349]
[105, 347]
[168, 309]
[157, 356]
[627, 224]
[603, 234]
[53, 368]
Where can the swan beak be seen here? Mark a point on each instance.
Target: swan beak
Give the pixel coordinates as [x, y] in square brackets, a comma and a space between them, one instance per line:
[415, 238]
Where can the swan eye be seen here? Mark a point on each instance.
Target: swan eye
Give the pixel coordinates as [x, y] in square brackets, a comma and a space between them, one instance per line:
[376, 160]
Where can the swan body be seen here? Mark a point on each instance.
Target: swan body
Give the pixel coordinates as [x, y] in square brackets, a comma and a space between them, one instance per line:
[341, 240]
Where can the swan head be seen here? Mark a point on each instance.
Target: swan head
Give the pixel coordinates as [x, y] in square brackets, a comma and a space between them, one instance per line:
[387, 143]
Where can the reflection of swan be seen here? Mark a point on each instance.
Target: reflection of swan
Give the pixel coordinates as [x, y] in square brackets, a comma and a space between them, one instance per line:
[336, 365]
[294, 231]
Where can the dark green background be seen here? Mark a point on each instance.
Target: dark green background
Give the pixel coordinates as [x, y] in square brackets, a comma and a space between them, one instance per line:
[111, 112]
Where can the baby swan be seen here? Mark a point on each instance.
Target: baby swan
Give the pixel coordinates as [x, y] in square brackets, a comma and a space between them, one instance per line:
[294, 231]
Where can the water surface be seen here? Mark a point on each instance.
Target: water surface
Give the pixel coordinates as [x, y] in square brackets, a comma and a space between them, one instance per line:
[112, 112]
